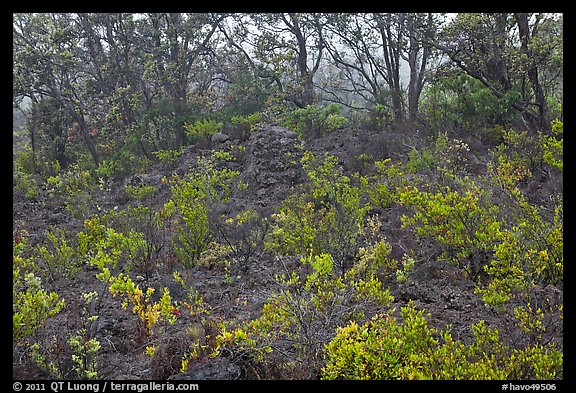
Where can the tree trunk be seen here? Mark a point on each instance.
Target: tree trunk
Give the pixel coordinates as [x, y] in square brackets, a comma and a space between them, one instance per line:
[86, 137]
[417, 68]
[543, 121]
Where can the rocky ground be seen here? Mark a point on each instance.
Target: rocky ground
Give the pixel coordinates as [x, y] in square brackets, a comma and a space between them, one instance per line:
[270, 165]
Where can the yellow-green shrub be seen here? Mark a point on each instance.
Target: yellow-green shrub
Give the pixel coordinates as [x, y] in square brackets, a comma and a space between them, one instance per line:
[150, 313]
[327, 216]
[299, 317]
[464, 224]
[32, 305]
[385, 348]
[192, 199]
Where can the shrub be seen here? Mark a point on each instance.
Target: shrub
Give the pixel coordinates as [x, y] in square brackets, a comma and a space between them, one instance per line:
[298, 318]
[202, 129]
[384, 348]
[108, 169]
[190, 204]
[168, 157]
[145, 236]
[464, 224]
[139, 192]
[554, 147]
[311, 120]
[150, 313]
[403, 274]
[326, 217]
[294, 231]
[245, 125]
[75, 186]
[536, 152]
[26, 183]
[192, 233]
[85, 347]
[373, 257]
[62, 261]
[32, 305]
[244, 234]
[530, 253]
[381, 188]
[99, 245]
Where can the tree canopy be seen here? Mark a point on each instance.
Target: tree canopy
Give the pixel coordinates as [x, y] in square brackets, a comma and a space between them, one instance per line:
[131, 82]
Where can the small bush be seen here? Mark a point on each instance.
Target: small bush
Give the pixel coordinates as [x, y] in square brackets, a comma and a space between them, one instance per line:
[190, 205]
[384, 348]
[139, 192]
[243, 126]
[26, 183]
[75, 186]
[464, 224]
[168, 157]
[302, 315]
[202, 129]
[60, 261]
[153, 315]
[32, 305]
[244, 234]
[327, 216]
[315, 121]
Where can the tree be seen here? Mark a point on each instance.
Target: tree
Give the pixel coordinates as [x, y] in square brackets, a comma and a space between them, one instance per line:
[286, 49]
[46, 52]
[366, 47]
[486, 48]
[179, 42]
[419, 54]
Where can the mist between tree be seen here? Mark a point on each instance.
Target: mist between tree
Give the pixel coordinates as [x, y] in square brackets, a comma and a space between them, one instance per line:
[146, 75]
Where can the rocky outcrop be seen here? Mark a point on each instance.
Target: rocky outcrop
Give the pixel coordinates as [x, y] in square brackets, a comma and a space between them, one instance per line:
[272, 164]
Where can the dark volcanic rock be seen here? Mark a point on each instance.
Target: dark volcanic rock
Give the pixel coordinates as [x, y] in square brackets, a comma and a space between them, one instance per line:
[216, 369]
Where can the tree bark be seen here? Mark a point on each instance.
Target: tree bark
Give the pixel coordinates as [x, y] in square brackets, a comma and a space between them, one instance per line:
[543, 121]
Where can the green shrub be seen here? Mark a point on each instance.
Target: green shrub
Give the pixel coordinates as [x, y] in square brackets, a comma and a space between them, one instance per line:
[85, 347]
[75, 186]
[244, 234]
[530, 252]
[26, 183]
[108, 169]
[25, 160]
[145, 236]
[151, 313]
[428, 158]
[315, 121]
[536, 152]
[61, 260]
[190, 204]
[403, 274]
[202, 129]
[32, 305]
[464, 224]
[139, 192]
[375, 256]
[99, 245]
[168, 157]
[301, 315]
[245, 125]
[384, 348]
[381, 187]
[192, 233]
[553, 146]
[327, 216]
[294, 231]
